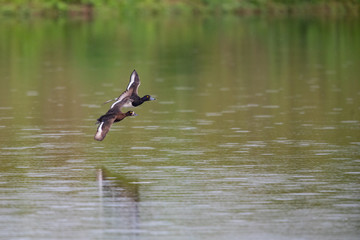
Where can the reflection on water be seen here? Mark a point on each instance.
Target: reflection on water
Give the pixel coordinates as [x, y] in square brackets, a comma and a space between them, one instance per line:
[254, 134]
[118, 203]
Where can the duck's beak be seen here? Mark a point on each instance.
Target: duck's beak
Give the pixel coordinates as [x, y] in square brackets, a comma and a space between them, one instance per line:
[152, 99]
[134, 114]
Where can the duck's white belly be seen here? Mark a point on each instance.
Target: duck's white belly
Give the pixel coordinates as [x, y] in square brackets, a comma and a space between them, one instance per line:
[128, 104]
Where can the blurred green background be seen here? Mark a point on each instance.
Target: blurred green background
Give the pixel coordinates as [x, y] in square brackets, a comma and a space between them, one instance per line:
[128, 7]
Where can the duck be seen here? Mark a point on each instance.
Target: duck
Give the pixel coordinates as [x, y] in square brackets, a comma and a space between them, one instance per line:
[131, 93]
[113, 115]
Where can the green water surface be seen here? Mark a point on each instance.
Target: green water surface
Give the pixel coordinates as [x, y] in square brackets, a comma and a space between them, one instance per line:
[255, 133]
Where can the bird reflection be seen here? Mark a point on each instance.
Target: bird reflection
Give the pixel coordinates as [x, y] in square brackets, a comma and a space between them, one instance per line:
[118, 202]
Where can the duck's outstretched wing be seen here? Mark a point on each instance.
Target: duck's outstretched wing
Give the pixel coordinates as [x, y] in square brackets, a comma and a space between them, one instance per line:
[132, 88]
[110, 100]
[105, 124]
[120, 103]
[106, 120]
[134, 83]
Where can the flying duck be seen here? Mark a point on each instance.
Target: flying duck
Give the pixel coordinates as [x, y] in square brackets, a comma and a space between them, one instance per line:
[113, 115]
[131, 92]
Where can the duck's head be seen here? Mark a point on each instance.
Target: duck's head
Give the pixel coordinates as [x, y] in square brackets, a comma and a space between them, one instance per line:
[147, 98]
[131, 113]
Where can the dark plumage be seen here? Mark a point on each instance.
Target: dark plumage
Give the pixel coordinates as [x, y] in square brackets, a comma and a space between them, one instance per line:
[131, 92]
[113, 115]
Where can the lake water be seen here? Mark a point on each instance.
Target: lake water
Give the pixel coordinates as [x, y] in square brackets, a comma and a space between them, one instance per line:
[255, 133]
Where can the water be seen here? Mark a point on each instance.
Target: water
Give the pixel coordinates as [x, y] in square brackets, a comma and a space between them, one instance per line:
[254, 133]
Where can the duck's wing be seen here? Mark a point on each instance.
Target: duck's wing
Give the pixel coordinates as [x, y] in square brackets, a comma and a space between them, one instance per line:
[106, 120]
[134, 83]
[110, 100]
[132, 88]
[123, 95]
[104, 126]
[120, 103]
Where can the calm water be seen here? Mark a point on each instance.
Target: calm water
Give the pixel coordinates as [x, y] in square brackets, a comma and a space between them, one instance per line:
[255, 133]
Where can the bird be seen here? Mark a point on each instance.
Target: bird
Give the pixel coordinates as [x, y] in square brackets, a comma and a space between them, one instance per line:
[113, 115]
[131, 93]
